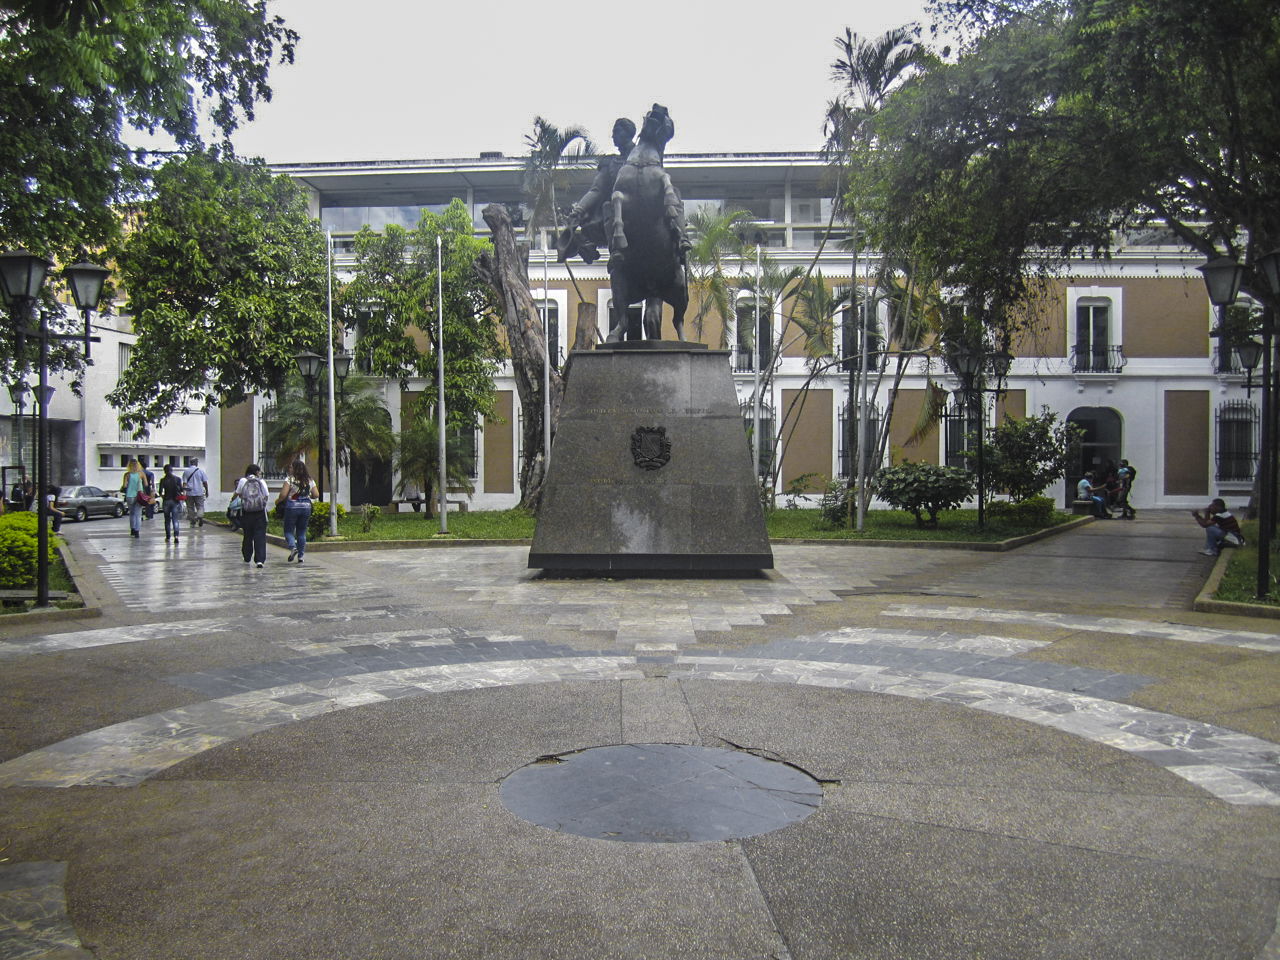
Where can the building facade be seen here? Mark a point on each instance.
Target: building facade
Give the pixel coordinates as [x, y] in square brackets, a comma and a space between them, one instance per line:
[1120, 346]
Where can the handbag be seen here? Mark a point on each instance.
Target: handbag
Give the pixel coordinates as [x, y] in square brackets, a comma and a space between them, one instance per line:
[145, 498]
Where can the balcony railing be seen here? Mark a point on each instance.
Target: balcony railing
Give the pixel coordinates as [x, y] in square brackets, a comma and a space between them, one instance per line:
[1098, 360]
[1226, 360]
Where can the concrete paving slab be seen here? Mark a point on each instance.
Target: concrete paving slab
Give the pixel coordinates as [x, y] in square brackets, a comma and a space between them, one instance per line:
[306, 762]
[848, 885]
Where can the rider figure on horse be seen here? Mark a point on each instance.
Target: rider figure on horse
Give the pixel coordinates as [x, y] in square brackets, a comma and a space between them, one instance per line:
[591, 218]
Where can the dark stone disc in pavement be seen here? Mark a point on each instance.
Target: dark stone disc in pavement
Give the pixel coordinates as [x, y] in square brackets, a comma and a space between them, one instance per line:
[661, 793]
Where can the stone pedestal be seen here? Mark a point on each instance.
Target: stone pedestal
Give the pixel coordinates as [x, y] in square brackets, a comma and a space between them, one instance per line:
[651, 468]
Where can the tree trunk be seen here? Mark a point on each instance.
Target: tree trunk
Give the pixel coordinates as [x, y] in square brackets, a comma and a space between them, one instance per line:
[507, 272]
[587, 332]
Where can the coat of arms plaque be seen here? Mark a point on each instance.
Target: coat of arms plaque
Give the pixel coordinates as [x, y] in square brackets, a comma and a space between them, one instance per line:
[650, 447]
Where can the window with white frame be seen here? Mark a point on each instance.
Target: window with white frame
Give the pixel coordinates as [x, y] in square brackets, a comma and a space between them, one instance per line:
[749, 347]
[1237, 442]
[847, 457]
[635, 317]
[555, 348]
[851, 324]
[1094, 329]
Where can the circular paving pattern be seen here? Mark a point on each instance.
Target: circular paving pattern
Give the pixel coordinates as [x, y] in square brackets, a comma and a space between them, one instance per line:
[661, 793]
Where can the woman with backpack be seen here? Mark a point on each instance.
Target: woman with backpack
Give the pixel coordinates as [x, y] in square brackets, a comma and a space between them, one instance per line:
[253, 494]
[296, 496]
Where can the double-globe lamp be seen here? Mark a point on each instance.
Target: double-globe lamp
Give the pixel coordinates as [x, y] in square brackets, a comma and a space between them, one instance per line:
[22, 277]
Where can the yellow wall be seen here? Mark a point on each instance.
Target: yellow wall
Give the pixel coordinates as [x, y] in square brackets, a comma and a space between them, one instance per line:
[1166, 318]
[1186, 442]
[807, 447]
[236, 444]
[499, 446]
[1012, 405]
[905, 413]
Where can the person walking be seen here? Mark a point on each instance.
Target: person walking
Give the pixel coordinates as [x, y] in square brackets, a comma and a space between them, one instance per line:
[254, 495]
[149, 501]
[296, 496]
[171, 503]
[196, 482]
[134, 488]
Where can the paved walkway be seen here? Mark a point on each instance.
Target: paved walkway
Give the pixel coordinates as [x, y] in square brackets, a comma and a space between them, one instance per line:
[1041, 753]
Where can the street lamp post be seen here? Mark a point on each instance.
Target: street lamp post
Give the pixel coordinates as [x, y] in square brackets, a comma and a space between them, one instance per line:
[970, 365]
[1222, 277]
[22, 276]
[309, 365]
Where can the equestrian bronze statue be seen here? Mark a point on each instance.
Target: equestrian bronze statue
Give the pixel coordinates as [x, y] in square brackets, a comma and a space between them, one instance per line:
[634, 209]
[648, 248]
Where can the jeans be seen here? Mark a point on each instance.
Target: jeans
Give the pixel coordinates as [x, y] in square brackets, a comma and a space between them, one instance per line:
[172, 518]
[1099, 507]
[296, 517]
[254, 530]
[135, 515]
[1213, 535]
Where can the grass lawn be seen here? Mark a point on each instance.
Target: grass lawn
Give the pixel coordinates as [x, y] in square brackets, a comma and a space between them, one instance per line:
[961, 525]
[1240, 582]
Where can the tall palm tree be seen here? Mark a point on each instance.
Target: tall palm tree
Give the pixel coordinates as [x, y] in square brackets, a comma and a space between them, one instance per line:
[715, 238]
[364, 424]
[553, 154]
[417, 458]
[868, 71]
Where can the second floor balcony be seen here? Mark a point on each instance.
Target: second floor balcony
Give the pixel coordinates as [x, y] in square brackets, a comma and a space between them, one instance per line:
[1099, 359]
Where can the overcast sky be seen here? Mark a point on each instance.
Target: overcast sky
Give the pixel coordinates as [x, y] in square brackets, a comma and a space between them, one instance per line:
[395, 79]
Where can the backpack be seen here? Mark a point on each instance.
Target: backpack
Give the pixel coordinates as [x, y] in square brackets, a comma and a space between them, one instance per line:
[253, 497]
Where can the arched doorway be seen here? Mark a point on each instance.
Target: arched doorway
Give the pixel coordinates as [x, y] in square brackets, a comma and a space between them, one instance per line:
[1100, 443]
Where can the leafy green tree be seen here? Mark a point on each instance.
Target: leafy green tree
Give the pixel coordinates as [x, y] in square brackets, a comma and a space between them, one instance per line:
[77, 75]
[225, 276]
[1024, 455]
[1160, 110]
[393, 302]
[417, 457]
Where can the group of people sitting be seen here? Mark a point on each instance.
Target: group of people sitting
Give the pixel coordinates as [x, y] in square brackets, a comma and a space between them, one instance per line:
[1108, 488]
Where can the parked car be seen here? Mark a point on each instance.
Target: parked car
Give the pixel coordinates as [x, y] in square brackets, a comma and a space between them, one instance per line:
[81, 503]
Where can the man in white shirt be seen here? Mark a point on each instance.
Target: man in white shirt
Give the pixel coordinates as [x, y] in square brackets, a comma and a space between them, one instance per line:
[196, 482]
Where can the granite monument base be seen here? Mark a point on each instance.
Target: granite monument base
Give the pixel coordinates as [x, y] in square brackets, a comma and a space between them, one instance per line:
[651, 468]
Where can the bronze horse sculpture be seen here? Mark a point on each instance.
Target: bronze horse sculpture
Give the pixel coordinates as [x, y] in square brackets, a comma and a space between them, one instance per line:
[647, 243]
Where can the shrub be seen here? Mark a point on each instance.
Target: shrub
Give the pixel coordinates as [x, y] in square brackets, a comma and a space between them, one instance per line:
[18, 549]
[1033, 513]
[833, 508]
[798, 488]
[923, 488]
[1024, 455]
[318, 525]
[368, 514]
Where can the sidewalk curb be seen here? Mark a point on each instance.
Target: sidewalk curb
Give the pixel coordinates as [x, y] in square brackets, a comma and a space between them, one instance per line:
[997, 546]
[1204, 602]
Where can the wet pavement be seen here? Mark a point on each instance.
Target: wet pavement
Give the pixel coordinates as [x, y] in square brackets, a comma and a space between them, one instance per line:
[1038, 753]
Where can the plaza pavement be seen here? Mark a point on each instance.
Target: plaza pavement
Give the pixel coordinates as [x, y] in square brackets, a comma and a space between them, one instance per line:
[1042, 753]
